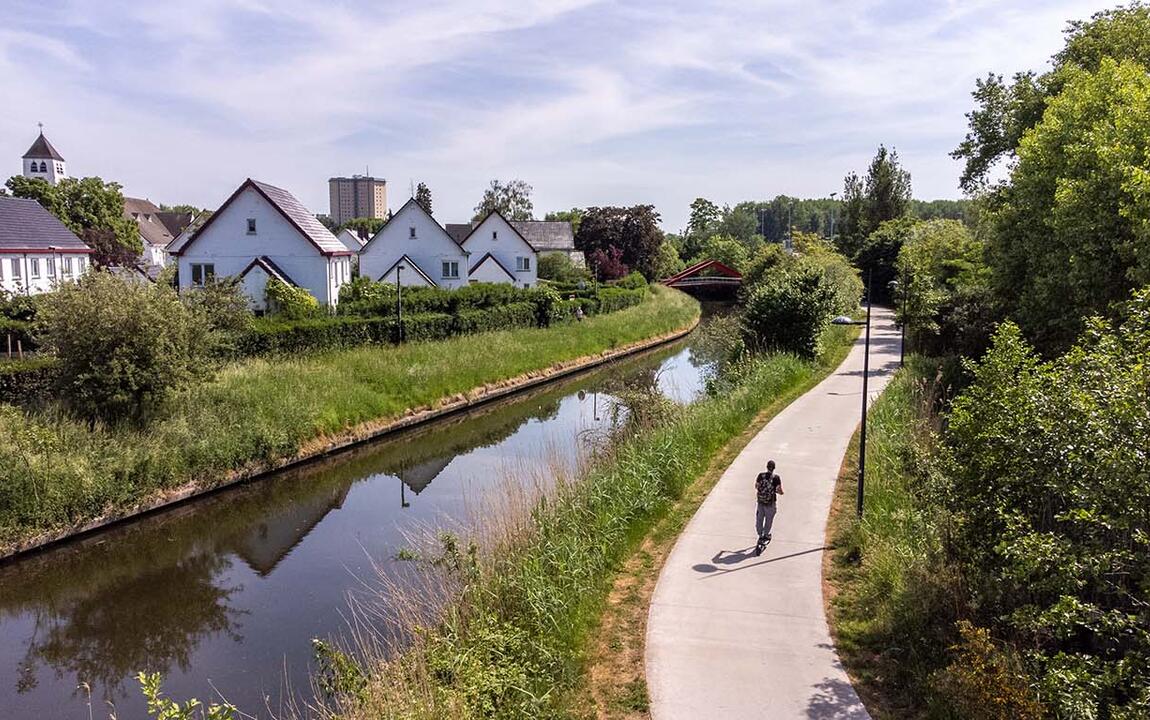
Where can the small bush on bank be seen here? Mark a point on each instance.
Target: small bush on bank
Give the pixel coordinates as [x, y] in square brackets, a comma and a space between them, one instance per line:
[26, 382]
[789, 311]
[122, 347]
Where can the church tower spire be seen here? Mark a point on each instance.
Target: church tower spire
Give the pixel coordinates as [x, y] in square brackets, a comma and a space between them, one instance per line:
[43, 161]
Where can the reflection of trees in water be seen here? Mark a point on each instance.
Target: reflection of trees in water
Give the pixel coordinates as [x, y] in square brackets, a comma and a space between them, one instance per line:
[152, 621]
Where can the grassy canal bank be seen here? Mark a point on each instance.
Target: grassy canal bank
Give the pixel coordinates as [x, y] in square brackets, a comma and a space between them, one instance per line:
[57, 473]
[508, 624]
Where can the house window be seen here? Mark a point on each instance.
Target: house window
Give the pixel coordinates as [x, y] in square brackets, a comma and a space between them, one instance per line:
[450, 270]
[494, 234]
[51, 263]
[251, 226]
[15, 268]
[81, 263]
[412, 235]
[67, 266]
[202, 274]
[523, 264]
[34, 268]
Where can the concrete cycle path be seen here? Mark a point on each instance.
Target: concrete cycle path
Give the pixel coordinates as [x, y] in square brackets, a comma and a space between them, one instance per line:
[731, 635]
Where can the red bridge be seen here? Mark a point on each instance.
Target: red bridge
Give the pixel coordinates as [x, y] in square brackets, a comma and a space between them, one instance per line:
[709, 277]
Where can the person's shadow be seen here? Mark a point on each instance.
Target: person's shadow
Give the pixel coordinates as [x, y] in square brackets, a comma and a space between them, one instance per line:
[726, 557]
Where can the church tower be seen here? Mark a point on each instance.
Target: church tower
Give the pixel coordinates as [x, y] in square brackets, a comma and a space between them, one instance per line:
[42, 161]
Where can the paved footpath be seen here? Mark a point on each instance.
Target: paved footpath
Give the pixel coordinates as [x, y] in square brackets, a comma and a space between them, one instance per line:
[731, 635]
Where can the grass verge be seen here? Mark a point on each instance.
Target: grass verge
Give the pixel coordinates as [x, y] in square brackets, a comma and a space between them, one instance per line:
[515, 616]
[56, 473]
[885, 583]
[613, 685]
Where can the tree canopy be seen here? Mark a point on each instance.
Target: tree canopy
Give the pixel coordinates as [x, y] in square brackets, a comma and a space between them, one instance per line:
[92, 209]
[423, 196]
[512, 199]
[632, 231]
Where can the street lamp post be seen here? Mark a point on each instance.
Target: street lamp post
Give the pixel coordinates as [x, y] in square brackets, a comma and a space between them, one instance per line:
[843, 320]
[398, 304]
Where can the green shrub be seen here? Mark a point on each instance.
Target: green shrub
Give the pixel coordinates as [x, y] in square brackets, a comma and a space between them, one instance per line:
[789, 311]
[985, 680]
[26, 382]
[122, 347]
[559, 268]
[222, 304]
[633, 281]
[291, 303]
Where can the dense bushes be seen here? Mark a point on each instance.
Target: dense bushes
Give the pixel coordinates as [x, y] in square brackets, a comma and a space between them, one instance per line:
[26, 382]
[121, 347]
[290, 302]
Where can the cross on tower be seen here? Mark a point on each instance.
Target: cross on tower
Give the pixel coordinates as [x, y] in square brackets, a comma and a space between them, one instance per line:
[41, 126]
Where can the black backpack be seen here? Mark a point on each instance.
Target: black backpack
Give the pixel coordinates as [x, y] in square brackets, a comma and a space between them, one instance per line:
[766, 487]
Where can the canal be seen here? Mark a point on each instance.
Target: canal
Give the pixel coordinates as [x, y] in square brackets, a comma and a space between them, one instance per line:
[225, 593]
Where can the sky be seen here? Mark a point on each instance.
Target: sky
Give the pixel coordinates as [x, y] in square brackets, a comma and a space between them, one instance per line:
[592, 103]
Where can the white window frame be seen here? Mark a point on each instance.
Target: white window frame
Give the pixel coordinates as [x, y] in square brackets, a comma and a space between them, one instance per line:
[33, 268]
[411, 235]
[251, 226]
[16, 274]
[450, 270]
[523, 264]
[50, 264]
[67, 267]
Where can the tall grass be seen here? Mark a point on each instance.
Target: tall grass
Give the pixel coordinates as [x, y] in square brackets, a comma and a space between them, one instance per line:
[894, 610]
[56, 472]
[498, 622]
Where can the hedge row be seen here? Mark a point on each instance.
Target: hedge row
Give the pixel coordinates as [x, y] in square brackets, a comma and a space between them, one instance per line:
[26, 382]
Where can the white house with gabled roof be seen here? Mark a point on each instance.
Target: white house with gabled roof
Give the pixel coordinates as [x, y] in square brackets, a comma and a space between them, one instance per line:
[263, 232]
[500, 253]
[413, 240]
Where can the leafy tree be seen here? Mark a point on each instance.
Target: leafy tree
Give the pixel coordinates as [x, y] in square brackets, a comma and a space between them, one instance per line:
[1072, 226]
[633, 231]
[573, 216]
[741, 224]
[512, 199]
[608, 264]
[852, 227]
[1047, 482]
[703, 223]
[288, 302]
[1004, 112]
[726, 250]
[365, 227]
[770, 259]
[423, 197]
[328, 223]
[668, 262]
[182, 208]
[883, 196]
[87, 204]
[122, 347]
[222, 304]
[879, 255]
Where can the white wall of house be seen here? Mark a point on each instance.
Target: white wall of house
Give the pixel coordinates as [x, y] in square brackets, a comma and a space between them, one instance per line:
[407, 278]
[45, 169]
[35, 273]
[414, 233]
[227, 248]
[254, 284]
[489, 271]
[154, 255]
[494, 235]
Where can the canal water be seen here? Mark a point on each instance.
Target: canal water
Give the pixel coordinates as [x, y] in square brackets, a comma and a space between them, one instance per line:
[224, 594]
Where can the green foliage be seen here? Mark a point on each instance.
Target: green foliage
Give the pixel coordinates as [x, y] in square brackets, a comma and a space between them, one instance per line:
[878, 254]
[26, 382]
[633, 232]
[789, 311]
[511, 199]
[92, 209]
[986, 680]
[1072, 227]
[423, 197]
[558, 267]
[726, 250]
[290, 302]
[1048, 483]
[163, 708]
[763, 264]
[222, 304]
[573, 216]
[667, 261]
[1004, 113]
[363, 226]
[885, 195]
[122, 347]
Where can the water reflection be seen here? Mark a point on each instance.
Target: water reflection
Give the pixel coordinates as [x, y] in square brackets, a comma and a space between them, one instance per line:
[232, 588]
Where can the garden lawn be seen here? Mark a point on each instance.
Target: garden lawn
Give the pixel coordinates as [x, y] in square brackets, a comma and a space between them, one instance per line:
[56, 473]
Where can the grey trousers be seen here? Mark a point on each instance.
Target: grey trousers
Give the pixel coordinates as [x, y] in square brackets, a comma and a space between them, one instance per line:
[764, 519]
